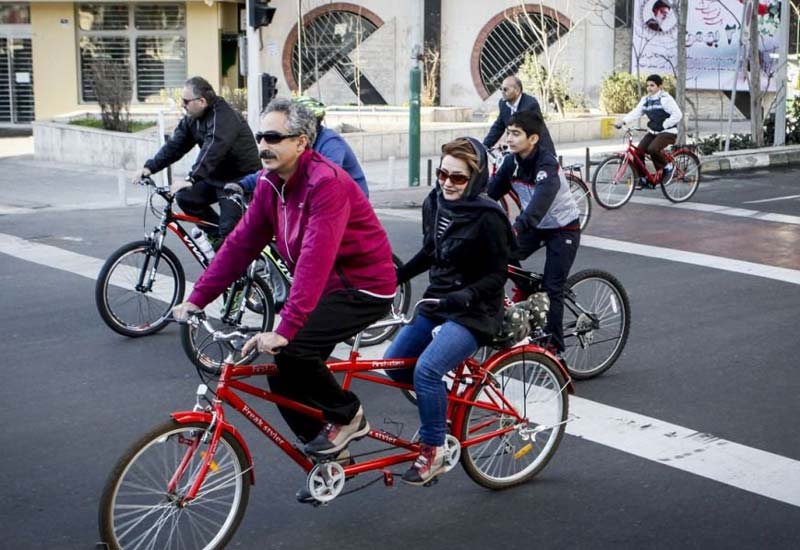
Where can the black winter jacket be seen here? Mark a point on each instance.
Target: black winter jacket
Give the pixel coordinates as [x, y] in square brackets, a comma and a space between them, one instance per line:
[471, 258]
[228, 150]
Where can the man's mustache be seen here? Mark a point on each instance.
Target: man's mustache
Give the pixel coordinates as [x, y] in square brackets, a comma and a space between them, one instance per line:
[266, 154]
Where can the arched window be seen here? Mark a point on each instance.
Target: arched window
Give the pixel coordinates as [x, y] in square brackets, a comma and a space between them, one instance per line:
[505, 40]
[328, 42]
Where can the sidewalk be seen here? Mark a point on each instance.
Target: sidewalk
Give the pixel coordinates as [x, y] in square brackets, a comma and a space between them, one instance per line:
[28, 185]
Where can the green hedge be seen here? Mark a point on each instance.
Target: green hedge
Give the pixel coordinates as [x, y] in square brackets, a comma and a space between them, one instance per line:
[618, 93]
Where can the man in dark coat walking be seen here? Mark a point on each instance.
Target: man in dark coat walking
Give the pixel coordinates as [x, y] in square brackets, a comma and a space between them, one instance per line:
[514, 101]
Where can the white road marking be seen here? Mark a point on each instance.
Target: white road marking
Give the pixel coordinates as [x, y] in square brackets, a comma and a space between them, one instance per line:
[760, 472]
[722, 210]
[787, 197]
[704, 260]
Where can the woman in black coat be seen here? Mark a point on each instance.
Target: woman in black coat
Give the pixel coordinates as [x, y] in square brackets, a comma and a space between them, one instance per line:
[467, 242]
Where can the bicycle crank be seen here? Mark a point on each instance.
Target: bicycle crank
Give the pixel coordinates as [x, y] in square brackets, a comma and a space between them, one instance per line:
[325, 481]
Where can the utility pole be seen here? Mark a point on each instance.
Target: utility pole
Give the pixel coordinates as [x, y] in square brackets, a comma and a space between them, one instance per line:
[253, 80]
[783, 58]
[744, 34]
[415, 78]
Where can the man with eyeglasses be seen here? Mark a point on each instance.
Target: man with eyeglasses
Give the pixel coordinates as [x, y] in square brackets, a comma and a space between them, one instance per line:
[227, 153]
[341, 260]
[514, 101]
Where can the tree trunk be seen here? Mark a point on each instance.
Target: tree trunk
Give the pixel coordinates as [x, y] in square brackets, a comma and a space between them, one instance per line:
[680, 78]
[756, 115]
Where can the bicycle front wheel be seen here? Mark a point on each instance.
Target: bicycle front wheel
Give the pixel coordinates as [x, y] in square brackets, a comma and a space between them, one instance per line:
[580, 192]
[142, 504]
[535, 387]
[137, 288]
[402, 301]
[245, 305]
[685, 177]
[613, 183]
[597, 320]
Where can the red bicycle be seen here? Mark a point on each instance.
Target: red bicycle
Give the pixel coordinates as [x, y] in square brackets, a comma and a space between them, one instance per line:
[186, 483]
[614, 180]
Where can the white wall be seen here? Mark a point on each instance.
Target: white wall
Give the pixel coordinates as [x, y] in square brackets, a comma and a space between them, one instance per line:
[386, 60]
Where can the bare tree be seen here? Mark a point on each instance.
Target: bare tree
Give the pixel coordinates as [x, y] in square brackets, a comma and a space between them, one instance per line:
[754, 79]
[680, 77]
[111, 80]
[545, 67]
[430, 76]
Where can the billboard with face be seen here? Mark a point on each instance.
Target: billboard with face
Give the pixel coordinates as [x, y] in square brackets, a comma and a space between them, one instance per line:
[713, 31]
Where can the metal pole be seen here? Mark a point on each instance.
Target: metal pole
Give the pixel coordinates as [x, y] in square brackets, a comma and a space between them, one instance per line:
[430, 172]
[588, 165]
[162, 130]
[783, 55]
[253, 80]
[415, 79]
[742, 27]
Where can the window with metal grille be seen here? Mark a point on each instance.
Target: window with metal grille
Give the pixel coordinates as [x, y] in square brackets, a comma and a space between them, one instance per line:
[327, 42]
[507, 44]
[148, 38]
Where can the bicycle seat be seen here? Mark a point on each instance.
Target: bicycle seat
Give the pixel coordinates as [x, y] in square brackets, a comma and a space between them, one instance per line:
[573, 167]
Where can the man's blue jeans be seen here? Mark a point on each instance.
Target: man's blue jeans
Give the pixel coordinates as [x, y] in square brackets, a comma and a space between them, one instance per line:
[437, 355]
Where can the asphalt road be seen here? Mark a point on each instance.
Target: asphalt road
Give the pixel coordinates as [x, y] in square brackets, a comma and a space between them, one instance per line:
[712, 349]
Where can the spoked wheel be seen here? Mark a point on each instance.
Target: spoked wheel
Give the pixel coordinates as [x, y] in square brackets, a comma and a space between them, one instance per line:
[685, 178]
[137, 288]
[613, 183]
[511, 206]
[142, 504]
[535, 388]
[580, 192]
[597, 320]
[402, 301]
[256, 314]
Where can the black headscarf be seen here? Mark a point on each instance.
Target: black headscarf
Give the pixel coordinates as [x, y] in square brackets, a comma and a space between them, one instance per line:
[474, 197]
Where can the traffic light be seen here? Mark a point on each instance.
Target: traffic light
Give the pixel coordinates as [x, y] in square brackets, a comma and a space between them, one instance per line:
[269, 88]
[259, 14]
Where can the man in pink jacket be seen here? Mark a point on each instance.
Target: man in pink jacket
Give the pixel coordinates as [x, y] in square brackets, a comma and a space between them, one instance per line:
[344, 278]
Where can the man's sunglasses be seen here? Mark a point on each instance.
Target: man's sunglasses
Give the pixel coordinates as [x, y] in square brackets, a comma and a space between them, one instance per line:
[273, 137]
[187, 101]
[455, 179]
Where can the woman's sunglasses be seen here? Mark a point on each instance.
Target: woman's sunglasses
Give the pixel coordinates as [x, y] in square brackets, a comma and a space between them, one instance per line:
[273, 137]
[455, 179]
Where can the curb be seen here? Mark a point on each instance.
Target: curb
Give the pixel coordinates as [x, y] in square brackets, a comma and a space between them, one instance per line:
[751, 158]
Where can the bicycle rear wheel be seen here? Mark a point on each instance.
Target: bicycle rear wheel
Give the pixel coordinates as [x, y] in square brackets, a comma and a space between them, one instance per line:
[613, 183]
[580, 192]
[257, 314]
[137, 288]
[685, 177]
[402, 301]
[138, 509]
[597, 321]
[536, 389]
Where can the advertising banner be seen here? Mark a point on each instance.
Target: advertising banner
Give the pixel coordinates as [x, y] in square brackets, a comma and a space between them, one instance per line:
[713, 30]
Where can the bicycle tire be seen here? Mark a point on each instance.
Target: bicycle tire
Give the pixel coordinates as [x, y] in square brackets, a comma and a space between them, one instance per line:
[685, 177]
[504, 461]
[609, 189]
[118, 529]
[594, 341]
[116, 278]
[580, 192]
[402, 302]
[208, 355]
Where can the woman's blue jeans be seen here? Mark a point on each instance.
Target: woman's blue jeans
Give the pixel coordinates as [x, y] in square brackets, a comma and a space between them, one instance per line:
[437, 355]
